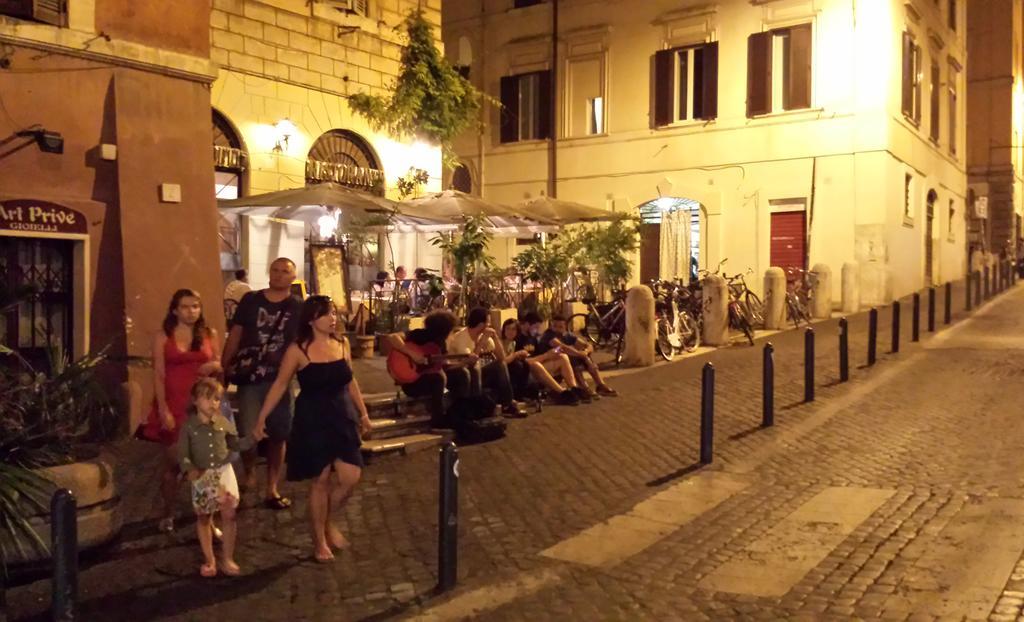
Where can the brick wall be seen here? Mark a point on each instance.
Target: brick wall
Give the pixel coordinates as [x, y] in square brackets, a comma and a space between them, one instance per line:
[313, 45]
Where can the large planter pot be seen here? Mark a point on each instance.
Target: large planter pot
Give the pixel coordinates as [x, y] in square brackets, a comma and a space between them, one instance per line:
[362, 347]
[98, 501]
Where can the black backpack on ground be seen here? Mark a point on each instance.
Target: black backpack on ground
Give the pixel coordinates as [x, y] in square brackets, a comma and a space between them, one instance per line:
[474, 419]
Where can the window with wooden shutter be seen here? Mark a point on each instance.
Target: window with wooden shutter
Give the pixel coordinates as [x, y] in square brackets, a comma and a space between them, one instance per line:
[526, 107]
[952, 79]
[46, 11]
[509, 109]
[952, 15]
[686, 84]
[664, 87]
[542, 106]
[796, 69]
[936, 119]
[707, 85]
[759, 73]
[911, 91]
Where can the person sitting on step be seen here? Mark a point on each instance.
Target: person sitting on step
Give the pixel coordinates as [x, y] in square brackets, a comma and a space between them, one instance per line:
[489, 373]
[521, 368]
[551, 360]
[557, 337]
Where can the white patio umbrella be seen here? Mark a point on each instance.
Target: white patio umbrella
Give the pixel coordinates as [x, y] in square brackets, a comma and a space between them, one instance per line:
[546, 209]
[454, 206]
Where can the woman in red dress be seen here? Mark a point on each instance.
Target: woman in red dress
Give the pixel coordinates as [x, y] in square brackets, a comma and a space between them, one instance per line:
[184, 351]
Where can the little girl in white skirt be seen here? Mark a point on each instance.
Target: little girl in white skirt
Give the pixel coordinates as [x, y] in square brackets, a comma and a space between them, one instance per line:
[205, 445]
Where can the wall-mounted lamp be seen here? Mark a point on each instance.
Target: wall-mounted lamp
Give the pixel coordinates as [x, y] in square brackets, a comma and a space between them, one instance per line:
[285, 129]
[49, 142]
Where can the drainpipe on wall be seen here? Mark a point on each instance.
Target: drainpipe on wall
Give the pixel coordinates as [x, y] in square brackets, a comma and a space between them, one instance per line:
[553, 155]
[480, 136]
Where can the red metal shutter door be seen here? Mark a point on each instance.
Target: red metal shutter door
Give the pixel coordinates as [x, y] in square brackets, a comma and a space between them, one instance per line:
[788, 240]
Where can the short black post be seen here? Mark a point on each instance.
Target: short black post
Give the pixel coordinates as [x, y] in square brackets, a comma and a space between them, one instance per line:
[844, 350]
[809, 364]
[707, 414]
[987, 285]
[931, 309]
[948, 312]
[64, 547]
[872, 335]
[970, 283]
[915, 321]
[448, 518]
[768, 387]
[896, 327]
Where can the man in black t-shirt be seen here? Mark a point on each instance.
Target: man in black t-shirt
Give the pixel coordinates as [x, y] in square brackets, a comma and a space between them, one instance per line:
[264, 325]
[431, 384]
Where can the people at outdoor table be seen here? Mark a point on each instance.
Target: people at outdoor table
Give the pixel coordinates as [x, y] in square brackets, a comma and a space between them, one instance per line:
[521, 368]
[490, 373]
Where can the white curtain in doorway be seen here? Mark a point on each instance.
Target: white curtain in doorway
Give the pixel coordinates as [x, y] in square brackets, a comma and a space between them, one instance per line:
[674, 247]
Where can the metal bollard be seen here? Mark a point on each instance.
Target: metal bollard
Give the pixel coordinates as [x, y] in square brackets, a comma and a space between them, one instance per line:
[987, 289]
[915, 320]
[844, 350]
[931, 309]
[448, 518]
[768, 386]
[948, 313]
[896, 327]
[707, 414]
[977, 288]
[64, 547]
[809, 364]
[872, 335]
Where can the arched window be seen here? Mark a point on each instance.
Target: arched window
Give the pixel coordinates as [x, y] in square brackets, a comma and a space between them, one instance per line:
[462, 180]
[344, 157]
[229, 159]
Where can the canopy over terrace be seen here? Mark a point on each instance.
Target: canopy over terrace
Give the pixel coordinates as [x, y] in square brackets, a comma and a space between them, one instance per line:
[559, 212]
[456, 207]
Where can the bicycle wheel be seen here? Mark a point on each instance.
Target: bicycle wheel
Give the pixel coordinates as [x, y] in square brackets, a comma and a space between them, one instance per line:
[755, 309]
[592, 329]
[738, 320]
[689, 331]
[619, 347]
[662, 343]
[793, 310]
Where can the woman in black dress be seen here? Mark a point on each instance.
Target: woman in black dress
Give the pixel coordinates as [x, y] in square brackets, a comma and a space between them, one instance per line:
[330, 417]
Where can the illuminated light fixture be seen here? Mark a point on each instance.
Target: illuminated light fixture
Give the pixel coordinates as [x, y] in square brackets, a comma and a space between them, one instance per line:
[49, 142]
[285, 130]
[665, 204]
[328, 224]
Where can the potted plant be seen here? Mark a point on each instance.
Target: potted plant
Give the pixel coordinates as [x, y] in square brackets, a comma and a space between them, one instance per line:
[50, 423]
[549, 266]
[467, 251]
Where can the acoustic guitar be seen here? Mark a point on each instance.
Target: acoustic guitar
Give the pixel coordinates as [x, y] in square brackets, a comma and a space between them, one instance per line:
[404, 371]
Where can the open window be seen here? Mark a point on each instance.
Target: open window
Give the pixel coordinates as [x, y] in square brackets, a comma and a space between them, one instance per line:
[526, 107]
[779, 70]
[686, 84]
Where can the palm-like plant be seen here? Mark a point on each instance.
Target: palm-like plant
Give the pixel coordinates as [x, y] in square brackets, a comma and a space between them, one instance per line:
[467, 250]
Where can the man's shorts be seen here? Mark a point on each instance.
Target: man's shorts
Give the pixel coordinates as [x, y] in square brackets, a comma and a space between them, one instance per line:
[250, 401]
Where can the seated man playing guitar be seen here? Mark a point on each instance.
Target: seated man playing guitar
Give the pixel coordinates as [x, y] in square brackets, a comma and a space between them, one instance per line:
[479, 340]
[418, 364]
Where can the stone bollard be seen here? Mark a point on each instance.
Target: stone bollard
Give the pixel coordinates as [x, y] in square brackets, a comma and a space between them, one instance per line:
[641, 330]
[716, 311]
[851, 287]
[774, 299]
[821, 297]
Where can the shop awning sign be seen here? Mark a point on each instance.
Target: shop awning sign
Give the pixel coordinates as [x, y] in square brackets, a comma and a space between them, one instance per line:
[28, 215]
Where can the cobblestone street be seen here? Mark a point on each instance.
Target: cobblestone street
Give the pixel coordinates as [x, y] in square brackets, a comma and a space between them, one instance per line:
[897, 495]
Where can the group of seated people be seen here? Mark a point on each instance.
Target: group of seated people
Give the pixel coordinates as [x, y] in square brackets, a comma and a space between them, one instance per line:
[510, 365]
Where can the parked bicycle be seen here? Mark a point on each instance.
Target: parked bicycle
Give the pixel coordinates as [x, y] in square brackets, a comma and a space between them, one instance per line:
[738, 314]
[604, 324]
[677, 330]
[799, 287]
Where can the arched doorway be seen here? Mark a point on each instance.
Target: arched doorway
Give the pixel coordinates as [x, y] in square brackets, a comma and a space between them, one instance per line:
[670, 239]
[344, 157]
[462, 180]
[230, 160]
[929, 240]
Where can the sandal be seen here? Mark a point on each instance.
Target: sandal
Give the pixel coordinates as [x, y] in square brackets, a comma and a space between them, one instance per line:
[208, 570]
[277, 503]
[607, 391]
[326, 559]
[166, 525]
